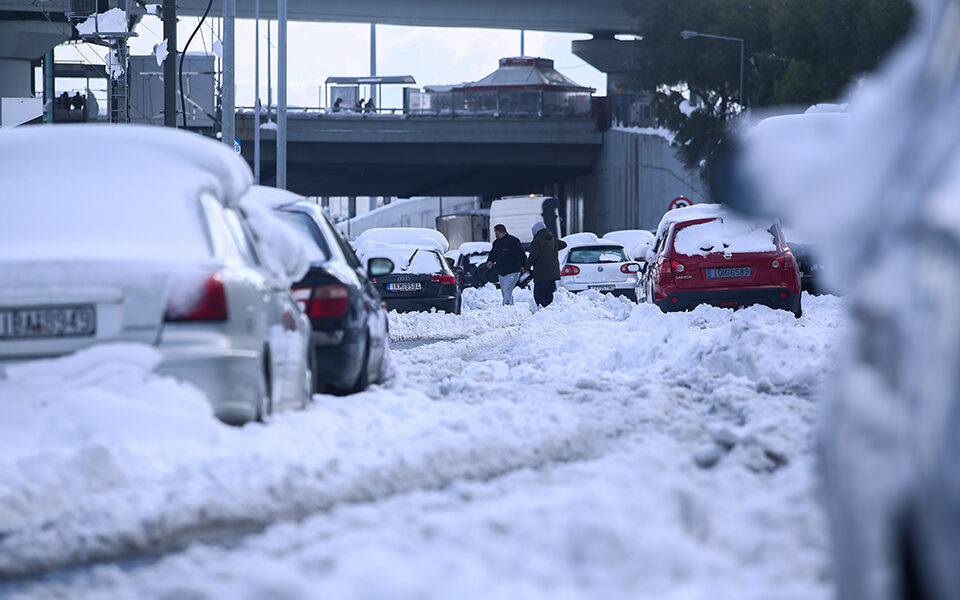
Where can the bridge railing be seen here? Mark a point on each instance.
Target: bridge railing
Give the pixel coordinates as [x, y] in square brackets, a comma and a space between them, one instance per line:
[499, 103]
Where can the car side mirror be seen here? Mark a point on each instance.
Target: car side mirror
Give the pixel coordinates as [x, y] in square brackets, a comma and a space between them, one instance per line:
[378, 267]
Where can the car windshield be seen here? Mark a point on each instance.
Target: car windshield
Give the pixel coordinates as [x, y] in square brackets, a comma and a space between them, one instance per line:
[728, 235]
[597, 254]
[476, 259]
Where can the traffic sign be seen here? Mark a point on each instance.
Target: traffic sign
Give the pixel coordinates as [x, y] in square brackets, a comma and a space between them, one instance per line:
[236, 145]
[680, 202]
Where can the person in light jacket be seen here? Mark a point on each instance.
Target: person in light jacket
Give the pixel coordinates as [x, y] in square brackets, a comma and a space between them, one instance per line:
[544, 263]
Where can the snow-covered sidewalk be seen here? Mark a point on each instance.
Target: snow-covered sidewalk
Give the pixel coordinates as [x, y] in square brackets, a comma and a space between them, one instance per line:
[591, 449]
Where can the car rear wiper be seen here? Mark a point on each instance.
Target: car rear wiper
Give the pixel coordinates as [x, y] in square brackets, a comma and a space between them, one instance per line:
[410, 260]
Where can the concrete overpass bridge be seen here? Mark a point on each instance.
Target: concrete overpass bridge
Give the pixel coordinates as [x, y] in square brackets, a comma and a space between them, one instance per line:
[382, 155]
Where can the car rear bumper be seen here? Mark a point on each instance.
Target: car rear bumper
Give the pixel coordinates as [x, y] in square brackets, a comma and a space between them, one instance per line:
[622, 288]
[445, 303]
[774, 297]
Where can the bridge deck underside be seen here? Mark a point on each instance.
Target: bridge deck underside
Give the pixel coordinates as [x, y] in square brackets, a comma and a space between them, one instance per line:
[402, 161]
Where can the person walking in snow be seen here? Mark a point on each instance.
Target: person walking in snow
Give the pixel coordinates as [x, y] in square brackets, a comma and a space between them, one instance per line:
[544, 263]
[507, 257]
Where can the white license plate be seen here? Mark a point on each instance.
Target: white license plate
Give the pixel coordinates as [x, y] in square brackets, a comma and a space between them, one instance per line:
[728, 272]
[603, 288]
[52, 321]
[403, 287]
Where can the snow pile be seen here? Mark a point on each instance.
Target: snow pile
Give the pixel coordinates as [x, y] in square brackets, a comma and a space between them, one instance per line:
[112, 21]
[288, 251]
[729, 235]
[482, 309]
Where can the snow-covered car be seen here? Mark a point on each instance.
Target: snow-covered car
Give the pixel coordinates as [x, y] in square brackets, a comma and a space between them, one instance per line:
[413, 278]
[704, 254]
[161, 252]
[592, 263]
[472, 258]
[351, 338]
[636, 241]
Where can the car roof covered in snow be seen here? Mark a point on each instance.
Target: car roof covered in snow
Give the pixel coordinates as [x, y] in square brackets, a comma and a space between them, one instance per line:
[690, 213]
[406, 236]
[154, 163]
[475, 247]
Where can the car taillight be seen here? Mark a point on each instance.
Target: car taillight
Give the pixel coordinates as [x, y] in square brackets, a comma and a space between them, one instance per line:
[671, 266]
[570, 271]
[444, 279]
[212, 306]
[323, 301]
[630, 268]
[784, 261]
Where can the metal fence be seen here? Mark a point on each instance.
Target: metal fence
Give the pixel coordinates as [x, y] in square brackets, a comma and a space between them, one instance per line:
[499, 103]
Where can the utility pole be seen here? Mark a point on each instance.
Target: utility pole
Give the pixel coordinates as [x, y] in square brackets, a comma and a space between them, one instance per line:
[229, 111]
[373, 62]
[522, 53]
[256, 95]
[269, 81]
[170, 64]
[282, 94]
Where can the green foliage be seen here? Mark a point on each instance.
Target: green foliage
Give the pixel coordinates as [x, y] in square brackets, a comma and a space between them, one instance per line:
[797, 52]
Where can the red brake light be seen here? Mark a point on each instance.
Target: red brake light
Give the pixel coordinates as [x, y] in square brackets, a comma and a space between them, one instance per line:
[784, 261]
[444, 279]
[323, 301]
[671, 266]
[630, 268]
[570, 271]
[212, 306]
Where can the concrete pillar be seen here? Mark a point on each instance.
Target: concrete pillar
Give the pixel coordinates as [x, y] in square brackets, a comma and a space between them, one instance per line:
[22, 42]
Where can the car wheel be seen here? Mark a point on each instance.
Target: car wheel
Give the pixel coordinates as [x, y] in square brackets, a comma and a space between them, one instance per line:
[265, 404]
[363, 379]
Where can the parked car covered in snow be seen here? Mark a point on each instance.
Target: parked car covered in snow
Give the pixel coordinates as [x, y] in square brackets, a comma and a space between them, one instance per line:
[413, 278]
[592, 263]
[472, 260]
[636, 242]
[351, 338]
[167, 256]
[705, 254]
[415, 236]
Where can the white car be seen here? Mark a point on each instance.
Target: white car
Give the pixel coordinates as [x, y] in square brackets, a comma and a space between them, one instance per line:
[161, 252]
[592, 263]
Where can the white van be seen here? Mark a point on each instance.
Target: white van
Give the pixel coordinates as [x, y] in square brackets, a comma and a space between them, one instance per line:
[519, 213]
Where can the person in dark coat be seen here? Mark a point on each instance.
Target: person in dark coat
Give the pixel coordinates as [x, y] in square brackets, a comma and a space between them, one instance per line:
[507, 257]
[544, 263]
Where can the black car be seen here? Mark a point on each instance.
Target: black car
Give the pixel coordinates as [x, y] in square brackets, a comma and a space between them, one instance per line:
[811, 269]
[351, 338]
[414, 279]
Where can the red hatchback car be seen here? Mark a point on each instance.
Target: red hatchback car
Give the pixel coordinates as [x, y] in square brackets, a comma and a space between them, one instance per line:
[709, 256]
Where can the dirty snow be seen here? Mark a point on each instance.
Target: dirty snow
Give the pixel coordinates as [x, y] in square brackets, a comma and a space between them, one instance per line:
[592, 449]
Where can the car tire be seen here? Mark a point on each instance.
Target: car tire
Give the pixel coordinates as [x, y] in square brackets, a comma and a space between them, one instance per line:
[363, 379]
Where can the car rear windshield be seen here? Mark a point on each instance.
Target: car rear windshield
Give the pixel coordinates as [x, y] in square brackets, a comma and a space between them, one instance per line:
[305, 223]
[597, 254]
[411, 262]
[728, 235]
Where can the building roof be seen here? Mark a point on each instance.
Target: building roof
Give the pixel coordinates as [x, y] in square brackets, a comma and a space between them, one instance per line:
[526, 73]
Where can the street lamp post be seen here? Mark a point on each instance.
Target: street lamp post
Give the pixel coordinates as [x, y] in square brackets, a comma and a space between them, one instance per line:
[692, 34]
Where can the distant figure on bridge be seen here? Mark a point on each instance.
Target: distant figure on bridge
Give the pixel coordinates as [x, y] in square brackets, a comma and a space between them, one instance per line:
[369, 107]
[359, 106]
[544, 263]
[63, 101]
[507, 255]
[336, 104]
[78, 102]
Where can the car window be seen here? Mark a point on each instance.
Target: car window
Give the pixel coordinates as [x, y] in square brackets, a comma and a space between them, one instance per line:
[597, 254]
[348, 252]
[241, 237]
[726, 235]
[222, 240]
[306, 224]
